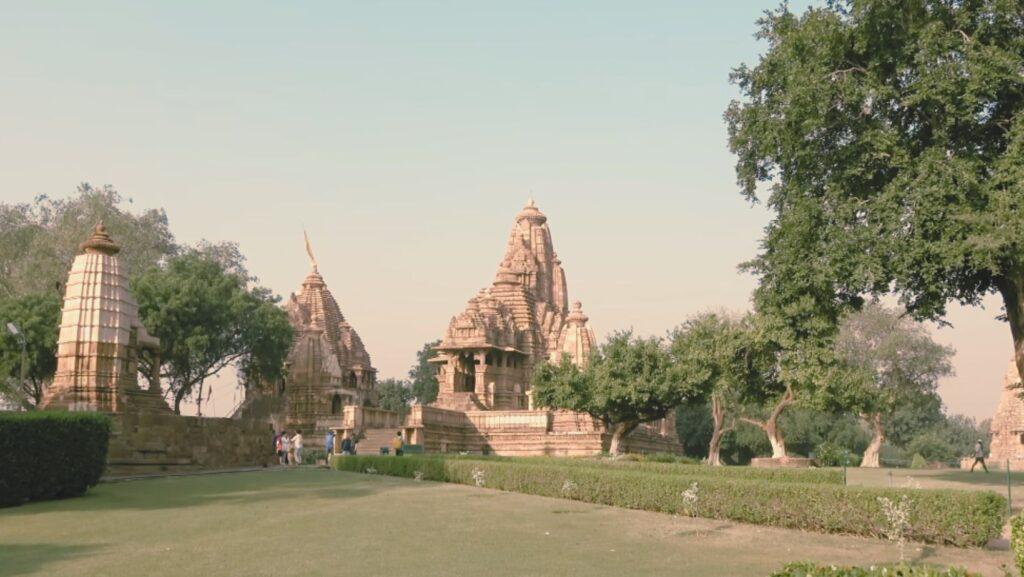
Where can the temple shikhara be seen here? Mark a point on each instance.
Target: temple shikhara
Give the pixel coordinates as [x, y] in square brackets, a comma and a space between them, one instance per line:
[101, 337]
[486, 359]
[328, 366]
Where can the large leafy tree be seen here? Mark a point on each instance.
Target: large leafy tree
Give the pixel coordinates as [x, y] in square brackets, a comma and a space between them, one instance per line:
[207, 318]
[889, 141]
[37, 316]
[720, 355]
[394, 395]
[38, 240]
[899, 363]
[628, 381]
[423, 375]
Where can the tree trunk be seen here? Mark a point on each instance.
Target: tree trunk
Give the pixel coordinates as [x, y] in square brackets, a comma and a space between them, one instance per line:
[719, 431]
[774, 433]
[878, 437]
[178, 396]
[1012, 289]
[770, 426]
[199, 401]
[619, 432]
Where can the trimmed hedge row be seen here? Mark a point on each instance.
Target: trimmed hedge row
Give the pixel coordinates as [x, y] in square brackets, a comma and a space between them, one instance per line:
[50, 455]
[811, 570]
[814, 476]
[1017, 541]
[960, 518]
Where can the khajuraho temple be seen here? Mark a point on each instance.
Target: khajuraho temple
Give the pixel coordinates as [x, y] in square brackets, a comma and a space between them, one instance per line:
[101, 337]
[486, 359]
[1007, 428]
[100, 342]
[328, 366]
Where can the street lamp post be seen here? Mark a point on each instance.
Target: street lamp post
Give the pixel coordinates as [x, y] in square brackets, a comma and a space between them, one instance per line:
[16, 332]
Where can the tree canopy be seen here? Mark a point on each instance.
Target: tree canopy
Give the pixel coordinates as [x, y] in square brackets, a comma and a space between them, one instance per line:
[37, 316]
[208, 318]
[39, 240]
[887, 138]
[721, 356]
[899, 363]
[423, 375]
[394, 395]
[628, 381]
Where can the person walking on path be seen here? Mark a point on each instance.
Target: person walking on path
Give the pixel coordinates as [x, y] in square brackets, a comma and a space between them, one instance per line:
[346, 446]
[329, 445]
[979, 456]
[297, 446]
[397, 444]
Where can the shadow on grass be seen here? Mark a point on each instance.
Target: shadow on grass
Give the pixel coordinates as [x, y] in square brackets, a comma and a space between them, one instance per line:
[33, 558]
[198, 491]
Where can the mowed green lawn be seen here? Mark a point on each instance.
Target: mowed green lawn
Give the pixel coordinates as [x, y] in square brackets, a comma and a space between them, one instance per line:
[317, 522]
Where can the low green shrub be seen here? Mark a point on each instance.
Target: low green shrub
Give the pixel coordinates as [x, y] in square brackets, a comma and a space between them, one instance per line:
[50, 455]
[667, 458]
[918, 462]
[811, 570]
[312, 456]
[951, 517]
[831, 455]
[1017, 541]
[814, 476]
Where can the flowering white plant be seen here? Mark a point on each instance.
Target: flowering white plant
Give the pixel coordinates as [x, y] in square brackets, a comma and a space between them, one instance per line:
[897, 513]
[479, 477]
[690, 497]
[371, 471]
[417, 475]
[568, 487]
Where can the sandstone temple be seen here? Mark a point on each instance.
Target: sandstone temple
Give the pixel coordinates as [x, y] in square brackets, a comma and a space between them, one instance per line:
[99, 346]
[486, 359]
[1007, 428]
[328, 367]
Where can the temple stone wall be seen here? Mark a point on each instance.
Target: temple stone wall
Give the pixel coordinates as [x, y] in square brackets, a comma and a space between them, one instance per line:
[150, 443]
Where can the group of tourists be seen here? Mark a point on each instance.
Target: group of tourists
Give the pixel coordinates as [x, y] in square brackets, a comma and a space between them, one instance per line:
[347, 447]
[289, 448]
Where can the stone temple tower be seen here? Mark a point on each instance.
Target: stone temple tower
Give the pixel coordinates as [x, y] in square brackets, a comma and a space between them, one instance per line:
[328, 366]
[101, 337]
[487, 356]
[1007, 427]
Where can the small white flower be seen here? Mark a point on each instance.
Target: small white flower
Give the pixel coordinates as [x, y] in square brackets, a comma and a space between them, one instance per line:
[479, 477]
[690, 497]
[897, 513]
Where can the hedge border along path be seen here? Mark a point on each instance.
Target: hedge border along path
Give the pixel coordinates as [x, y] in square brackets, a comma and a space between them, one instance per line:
[943, 516]
[50, 454]
[811, 476]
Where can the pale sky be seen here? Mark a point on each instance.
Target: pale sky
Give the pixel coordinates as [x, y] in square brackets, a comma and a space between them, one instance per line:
[405, 136]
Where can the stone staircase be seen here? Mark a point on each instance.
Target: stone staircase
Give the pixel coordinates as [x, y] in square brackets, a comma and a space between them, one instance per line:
[374, 439]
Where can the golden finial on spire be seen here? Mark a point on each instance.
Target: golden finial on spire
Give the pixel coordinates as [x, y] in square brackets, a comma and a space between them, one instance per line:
[309, 250]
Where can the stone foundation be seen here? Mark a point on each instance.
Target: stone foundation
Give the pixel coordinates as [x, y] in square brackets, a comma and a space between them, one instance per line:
[151, 443]
[783, 462]
[505, 433]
